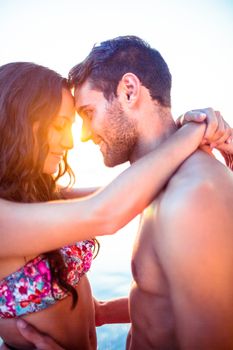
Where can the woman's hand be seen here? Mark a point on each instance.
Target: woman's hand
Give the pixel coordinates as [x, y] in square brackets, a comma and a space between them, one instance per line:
[218, 133]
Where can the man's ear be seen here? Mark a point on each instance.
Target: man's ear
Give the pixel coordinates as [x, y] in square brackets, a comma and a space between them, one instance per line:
[128, 89]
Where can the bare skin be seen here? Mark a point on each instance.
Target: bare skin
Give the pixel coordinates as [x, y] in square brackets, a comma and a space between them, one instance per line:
[74, 330]
[185, 274]
[144, 295]
[89, 311]
[159, 319]
[167, 307]
[86, 217]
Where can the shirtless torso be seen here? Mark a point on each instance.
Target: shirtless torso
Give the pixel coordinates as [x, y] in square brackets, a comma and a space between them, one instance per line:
[182, 265]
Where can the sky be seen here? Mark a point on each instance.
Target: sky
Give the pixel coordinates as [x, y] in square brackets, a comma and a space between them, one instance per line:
[194, 37]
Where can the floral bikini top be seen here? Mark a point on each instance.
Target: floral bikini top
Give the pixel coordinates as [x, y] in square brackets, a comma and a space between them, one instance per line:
[30, 289]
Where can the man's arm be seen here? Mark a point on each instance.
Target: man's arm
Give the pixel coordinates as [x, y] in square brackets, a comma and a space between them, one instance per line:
[197, 257]
[111, 311]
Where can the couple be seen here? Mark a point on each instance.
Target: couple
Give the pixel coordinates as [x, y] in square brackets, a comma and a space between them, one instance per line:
[182, 294]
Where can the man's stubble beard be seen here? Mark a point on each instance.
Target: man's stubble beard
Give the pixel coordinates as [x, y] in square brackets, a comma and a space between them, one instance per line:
[120, 133]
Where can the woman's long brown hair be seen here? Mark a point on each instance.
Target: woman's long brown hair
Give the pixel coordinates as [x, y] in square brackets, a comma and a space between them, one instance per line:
[31, 93]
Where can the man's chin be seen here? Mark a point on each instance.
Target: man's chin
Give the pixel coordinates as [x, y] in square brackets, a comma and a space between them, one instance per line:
[110, 163]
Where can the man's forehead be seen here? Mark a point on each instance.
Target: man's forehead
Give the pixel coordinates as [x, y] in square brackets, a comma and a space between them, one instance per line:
[81, 91]
[85, 95]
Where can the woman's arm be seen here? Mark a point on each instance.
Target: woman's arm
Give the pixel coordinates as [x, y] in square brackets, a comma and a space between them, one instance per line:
[71, 193]
[28, 229]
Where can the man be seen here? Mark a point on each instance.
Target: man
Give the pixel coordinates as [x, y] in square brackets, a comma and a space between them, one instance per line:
[182, 263]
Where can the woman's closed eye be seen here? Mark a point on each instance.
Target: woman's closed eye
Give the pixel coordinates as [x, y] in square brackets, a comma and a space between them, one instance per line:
[60, 125]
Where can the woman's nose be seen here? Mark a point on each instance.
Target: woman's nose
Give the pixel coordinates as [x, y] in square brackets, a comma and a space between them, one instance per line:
[67, 140]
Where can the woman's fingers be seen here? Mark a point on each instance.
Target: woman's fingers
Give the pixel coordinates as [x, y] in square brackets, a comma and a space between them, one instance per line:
[217, 131]
[197, 116]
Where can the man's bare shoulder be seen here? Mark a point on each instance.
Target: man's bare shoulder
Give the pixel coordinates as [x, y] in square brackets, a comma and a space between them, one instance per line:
[200, 178]
[195, 215]
[198, 199]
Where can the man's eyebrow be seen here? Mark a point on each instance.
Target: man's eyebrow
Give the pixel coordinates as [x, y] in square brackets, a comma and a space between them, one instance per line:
[80, 109]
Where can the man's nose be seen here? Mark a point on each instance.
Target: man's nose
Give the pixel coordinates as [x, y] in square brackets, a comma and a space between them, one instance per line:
[86, 133]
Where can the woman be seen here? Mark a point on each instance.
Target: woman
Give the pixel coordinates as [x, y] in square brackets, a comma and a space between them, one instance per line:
[41, 283]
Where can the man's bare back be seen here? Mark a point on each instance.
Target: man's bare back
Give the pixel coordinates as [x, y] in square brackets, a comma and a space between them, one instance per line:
[182, 263]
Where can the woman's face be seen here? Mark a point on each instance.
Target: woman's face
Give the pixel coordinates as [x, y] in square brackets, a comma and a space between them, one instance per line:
[60, 137]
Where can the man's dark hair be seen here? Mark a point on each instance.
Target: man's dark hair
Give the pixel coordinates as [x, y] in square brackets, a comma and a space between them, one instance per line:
[110, 60]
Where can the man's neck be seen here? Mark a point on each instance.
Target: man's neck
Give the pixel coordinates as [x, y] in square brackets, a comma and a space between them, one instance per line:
[159, 130]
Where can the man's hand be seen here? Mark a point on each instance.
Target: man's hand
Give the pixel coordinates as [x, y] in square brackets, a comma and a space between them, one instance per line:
[39, 340]
[218, 133]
